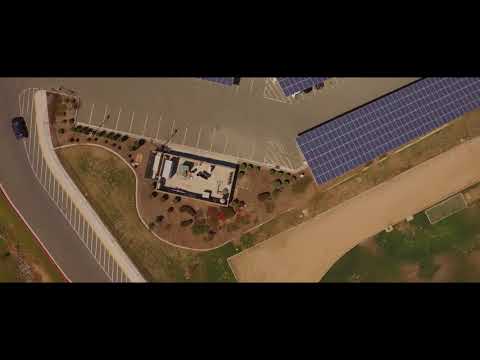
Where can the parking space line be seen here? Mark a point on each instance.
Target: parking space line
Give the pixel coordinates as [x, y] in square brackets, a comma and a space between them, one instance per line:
[49, 181]
[118, 118]
[199, 134]
[131, 122]
[185, 136]
[85, 239]
[158, 128]
[114, 272]
[37, 161]
[91, 114]
[96, 246]
[226, 144]
[33, 130]
[213, 138]
[104, 120]
[145, 126]
[173, 126]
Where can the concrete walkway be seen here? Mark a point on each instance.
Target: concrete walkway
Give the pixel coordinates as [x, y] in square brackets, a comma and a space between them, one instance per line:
[306, 253]
[86, 211]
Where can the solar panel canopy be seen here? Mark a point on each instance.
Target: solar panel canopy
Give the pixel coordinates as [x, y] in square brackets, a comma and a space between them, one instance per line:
[361, 135]
[292, 85]
[224, 81]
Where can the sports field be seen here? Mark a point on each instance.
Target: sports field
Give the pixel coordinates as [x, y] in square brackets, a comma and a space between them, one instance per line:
[307, 252]
[417, 251]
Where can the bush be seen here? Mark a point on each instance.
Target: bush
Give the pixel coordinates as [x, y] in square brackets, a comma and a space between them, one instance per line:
[276, 192]
[272, 171]
[140, 142]
[71, 121]
[151, 225]
[177, 199]
[165, 197]
[77, 139]
[228, 212]
[198, 229]
[102, 133]
[77, 128]
[243, 166]
[96, 139]
[171, 209]
[188, 209]
[61, 131]
[250, 166]
[264, 196]
[154, 194]
[241, 173]
[301, 185]
[116, 137]
[247, 240]
[185, 223]
[72, 139]
[124, 138]
[277, 184]
[159, 218]
[111, 135]
[258, 168]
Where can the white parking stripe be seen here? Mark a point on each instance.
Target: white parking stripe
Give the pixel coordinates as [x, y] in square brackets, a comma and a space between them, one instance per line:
[198, 138]
[91, 114]
[104, 120]
[118, 118]
[32, 135]
[185, 136]
[173, 126]
[37, 159]
[145, 126]
[96, 246]
[213, 138]
[226, 144]
[131, 122]
[158, 128]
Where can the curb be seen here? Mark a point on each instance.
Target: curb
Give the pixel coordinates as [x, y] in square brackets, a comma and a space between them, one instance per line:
[44, 249]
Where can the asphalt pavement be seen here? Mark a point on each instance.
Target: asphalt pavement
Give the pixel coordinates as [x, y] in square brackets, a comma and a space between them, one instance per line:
[32, 201]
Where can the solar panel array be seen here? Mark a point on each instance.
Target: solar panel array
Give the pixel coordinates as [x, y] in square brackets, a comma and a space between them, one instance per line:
[359, 136]
[224, 81]
[292, 85]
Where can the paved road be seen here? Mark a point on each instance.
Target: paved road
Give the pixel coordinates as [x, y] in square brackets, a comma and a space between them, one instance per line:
[34, 203]
[308, 251]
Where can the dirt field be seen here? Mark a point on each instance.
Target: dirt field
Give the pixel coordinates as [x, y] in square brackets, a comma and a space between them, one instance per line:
[308, 251]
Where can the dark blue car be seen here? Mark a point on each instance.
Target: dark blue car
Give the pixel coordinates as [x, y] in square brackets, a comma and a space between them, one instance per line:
[19, 127]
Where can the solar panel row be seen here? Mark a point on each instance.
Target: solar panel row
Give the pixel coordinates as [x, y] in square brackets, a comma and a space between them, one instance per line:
[357, 137]
[292, 85]
[225, 81]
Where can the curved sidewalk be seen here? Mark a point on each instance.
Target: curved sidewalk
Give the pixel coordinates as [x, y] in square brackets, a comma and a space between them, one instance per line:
[307, 252]
[82, 205]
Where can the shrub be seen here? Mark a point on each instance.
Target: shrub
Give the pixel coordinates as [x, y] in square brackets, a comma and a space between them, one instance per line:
[116, 137]
[106, 141]
[140, 142]
[228, 212]
[102, 133]
[188, 209]
[301, 185]
[198, 229]
[258, 168]
[177, 199]
[264, 196]
[276, 192]
[277, 184]
[71, 121]
[64, 121]
[88, 139]
[78, 128]
[241, 173]
[165, 197]
[272, 171]
[185, 223]
[151, 225]
[72, 139]
[96, 139]
[154, 194]
[61, 131]
[171, 209]
[111, 135]
[124, 138]
[159, 218]
[250, 166]
[247, 240]
[119, 147]
[243, 166]
[286, 181]
[77, 139]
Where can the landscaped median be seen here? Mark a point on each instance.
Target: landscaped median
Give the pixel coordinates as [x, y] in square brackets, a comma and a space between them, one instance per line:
[22, 258]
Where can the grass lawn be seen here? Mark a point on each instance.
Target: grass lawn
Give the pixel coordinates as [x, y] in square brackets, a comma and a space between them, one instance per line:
[13, 233]
[110, 186]
[419, 242]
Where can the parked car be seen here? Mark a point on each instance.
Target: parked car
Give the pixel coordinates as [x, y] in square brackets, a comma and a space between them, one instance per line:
[19, 127]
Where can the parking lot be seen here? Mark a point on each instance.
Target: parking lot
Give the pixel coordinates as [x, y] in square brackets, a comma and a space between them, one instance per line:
[238, 121]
